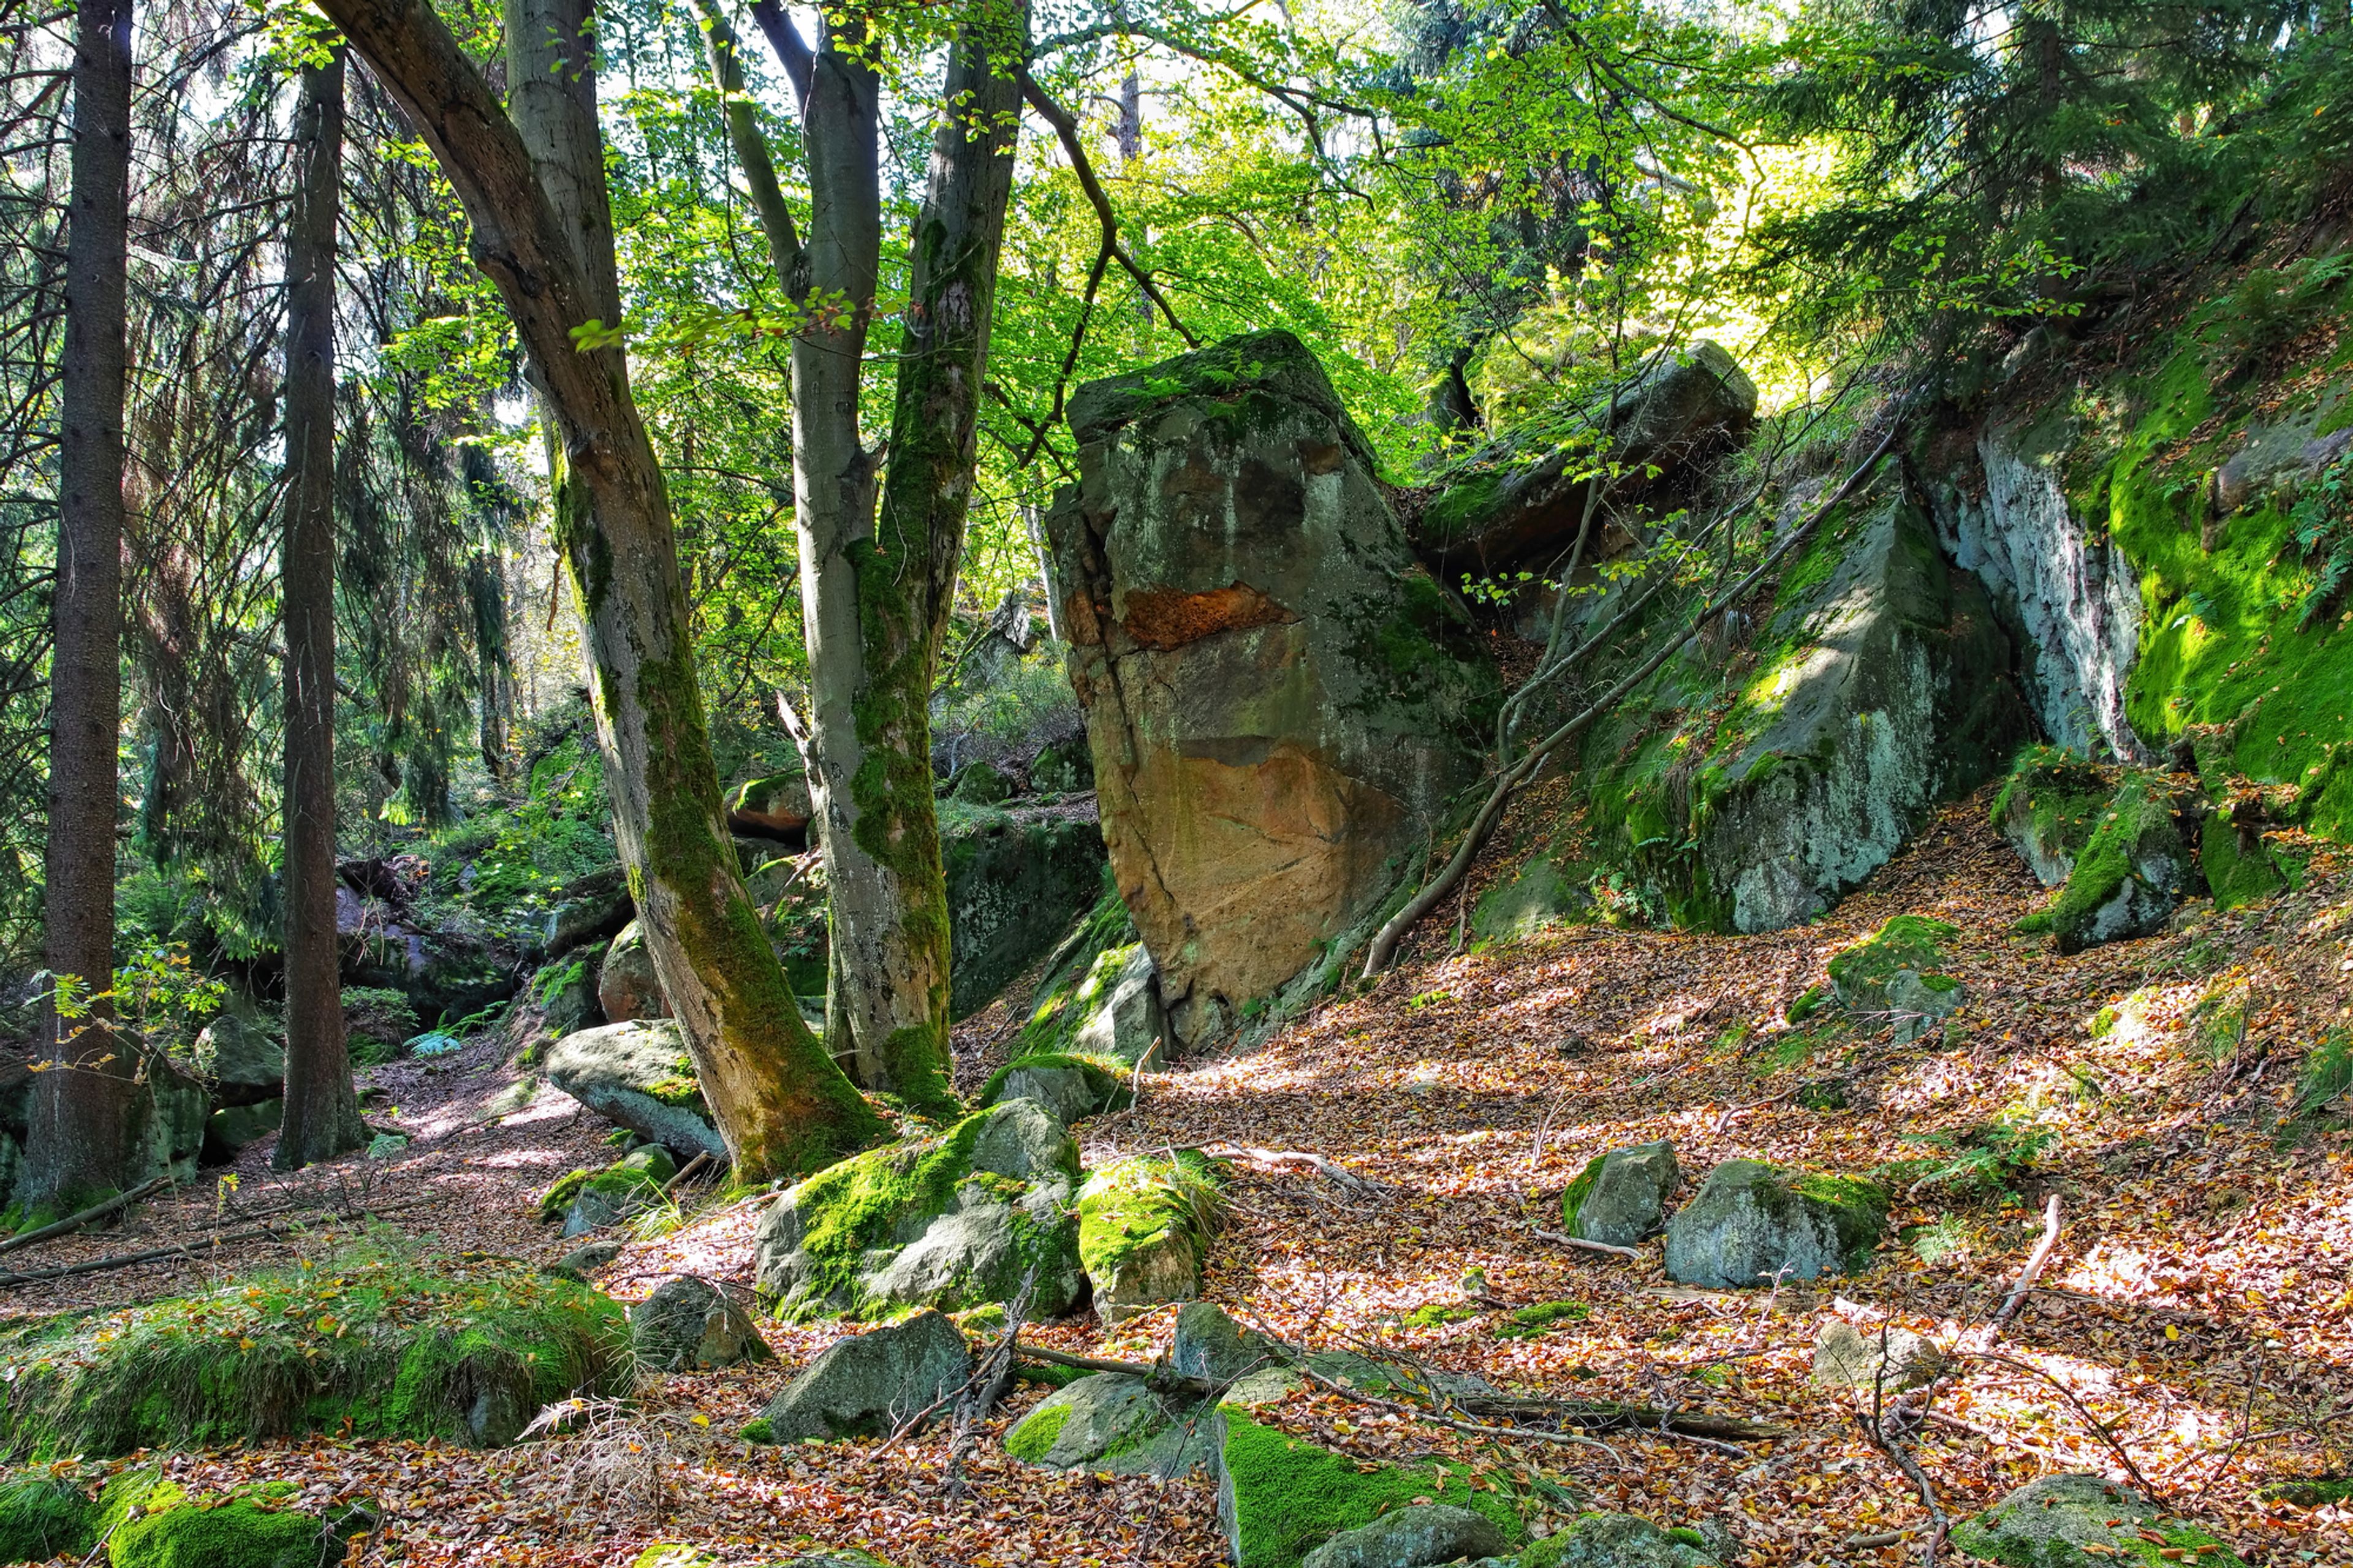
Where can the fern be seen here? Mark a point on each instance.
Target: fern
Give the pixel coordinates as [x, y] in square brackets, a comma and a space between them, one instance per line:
[2323, 521]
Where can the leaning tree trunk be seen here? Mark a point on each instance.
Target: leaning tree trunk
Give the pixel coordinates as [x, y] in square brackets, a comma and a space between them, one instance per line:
[79, 1136]
[323, 1114]
[780, 1103]
[889, 902]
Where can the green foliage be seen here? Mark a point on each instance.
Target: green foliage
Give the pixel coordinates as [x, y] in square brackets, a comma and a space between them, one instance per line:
[1529, 1322]
[2327, 1072]
[43, 1515]
[1985, 1161]
[2322, 519]
[398, 1348]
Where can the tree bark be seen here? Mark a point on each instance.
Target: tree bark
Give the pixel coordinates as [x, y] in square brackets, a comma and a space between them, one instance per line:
[321, 1112]
[780, 1103]
[79, 1137]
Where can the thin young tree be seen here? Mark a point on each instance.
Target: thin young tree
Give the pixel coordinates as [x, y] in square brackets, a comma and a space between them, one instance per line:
[532, 183]
[322, 1114]
[79, 1137]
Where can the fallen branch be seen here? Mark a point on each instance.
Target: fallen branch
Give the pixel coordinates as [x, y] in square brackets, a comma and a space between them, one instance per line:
[1577, 1241]
[1417, 1413]
[1732, 1114]
[1330, 1170]
[699, 1160]
[97, 1211]
[1603, 1416]
[2034, 1262]
[186, 1249]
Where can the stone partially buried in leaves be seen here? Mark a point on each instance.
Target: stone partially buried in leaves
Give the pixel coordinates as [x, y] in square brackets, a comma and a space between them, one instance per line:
[1894, 974]
[1144, 1230]
[689, 1325]
[1889, 1359]
[1754, 1224]
[2083, 1522]
[638, 1076]
[872, 1383]
[1618, 1540]
[1411, 1538]
[1622, 1196]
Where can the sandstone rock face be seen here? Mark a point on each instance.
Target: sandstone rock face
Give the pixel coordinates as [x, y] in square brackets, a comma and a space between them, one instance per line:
[1271, 702]
[627, 987]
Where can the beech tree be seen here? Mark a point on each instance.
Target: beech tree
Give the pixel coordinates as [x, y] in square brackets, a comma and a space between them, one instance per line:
[532, 183]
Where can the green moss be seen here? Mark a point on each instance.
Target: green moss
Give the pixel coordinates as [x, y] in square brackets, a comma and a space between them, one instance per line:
[44, 1516]
[1036, 1435]
[636, 1178]
[1810, 1001]
[242, 1532]
[2139, 815]
[1580, 1189]
[1291, 1496]
[394, 1348]
[1906, 941]
[2238, 867]
[1437, 1314]
[1140, 1201]
[1858, 1210]
[1544, 1316]
[757, 1430]
[2307, 1493]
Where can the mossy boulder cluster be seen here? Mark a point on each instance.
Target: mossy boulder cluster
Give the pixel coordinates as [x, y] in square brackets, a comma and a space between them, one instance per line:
[147, 1521]
[459, 1352]
[1279, 697]
[954, 1221]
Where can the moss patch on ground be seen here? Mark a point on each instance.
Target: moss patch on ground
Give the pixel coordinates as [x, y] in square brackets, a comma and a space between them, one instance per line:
[1290, 1497]
[455, 1351]
[1906, 941]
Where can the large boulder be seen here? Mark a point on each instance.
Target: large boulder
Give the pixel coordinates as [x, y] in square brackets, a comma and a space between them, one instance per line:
[1880, 687]
[957, 1221]
[1107, 1420]
[690, 1325]
[1754, 1224]
[2128, 873]
[233, 1128]
[628, 988]
[2081, 1522]
[1503, 508]
[639, 1076]
[1016, 879]
[871, 1384]
[1622, 1196]
[239, 1060]
[1280, 1498]
[1273, 699]
[1070, 1088]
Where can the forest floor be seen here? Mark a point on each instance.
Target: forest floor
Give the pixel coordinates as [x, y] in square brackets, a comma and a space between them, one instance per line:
[2198, 1305]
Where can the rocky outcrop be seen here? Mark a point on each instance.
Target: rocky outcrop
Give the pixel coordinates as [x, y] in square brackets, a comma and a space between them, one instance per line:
[1504, 507]
[1016, 879]
[639, 1076]
[1144, 1227]
[1273, 704]
[2065, 588]
[239, 1060]
[628, 989]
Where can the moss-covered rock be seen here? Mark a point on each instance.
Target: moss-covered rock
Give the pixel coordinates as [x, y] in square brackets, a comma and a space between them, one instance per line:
[1113, 1421]
[1621, 1197]
[638, 1076]
[690, 1325]
[233, 1128]
[870, 1384]
[1752, 1223]
[1100, 995]
[1144, 1226]
[2083, 1522]
[590, 1200]
[1072, 1088]
[1411, 1537]
[952, 1221]
[628, 989]
[1016, 881]
[1280, 1498]
[2131, 873]
[44, 1516]
[2049, 807]
[1616, 1541]
[1278, 697]
[1896, 974]
[462, 1350]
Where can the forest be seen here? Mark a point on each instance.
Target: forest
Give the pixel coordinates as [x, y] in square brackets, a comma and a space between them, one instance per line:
[1538, 783]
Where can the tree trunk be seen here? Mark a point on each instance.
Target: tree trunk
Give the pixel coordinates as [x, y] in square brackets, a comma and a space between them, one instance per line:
[780, 1103]
[79, 1136]
[890, 901]
[321, 1114]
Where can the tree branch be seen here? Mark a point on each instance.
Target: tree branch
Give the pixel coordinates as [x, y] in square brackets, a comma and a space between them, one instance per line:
[1066, 130]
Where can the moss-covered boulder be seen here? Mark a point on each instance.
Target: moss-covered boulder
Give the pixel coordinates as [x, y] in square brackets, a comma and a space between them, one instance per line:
[980, 784]
[239, 1060]
[233, 1128]
[1280, 1498]
[1112, 1421]
[1072, 1088]
[871, 1383]
[1622, 1196]
[1619, 1541]
[150, 1522]
[1100, 996]
[2048, 807]
[1017, 878]
[638, 1076]
[954, 1221]
[690, 1325]
[457, 1351]
[586, 1200]
[2131, 873]
[44, 1515]
[2081, 1522]
[1144, 1224]
[1416, 1536]
[628, 989]
[1278, 696]
[1895, 975]
[1754, 1224]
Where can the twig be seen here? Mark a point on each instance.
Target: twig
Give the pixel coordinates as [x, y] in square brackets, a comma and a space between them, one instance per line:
[1580, 1242]
[2068, 1393]
[1734, 1113]
[699, 1160]
[97, 1211]
[1330, 1170]
[2034, 1262]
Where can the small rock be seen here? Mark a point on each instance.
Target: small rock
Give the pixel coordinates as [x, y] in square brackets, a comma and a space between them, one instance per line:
[872, 1383]
[1754, 1224]
[1619, 1541]
[1622, 1196]
[1411, 1538]
[689, 1324]
[626, 986]
[1890, 1360]
[1086, 1420]
[584, 1260]
[2083, 1521]
[1210, 1344]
